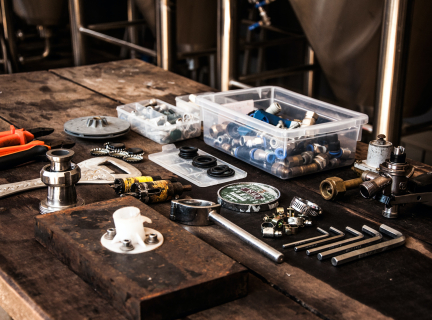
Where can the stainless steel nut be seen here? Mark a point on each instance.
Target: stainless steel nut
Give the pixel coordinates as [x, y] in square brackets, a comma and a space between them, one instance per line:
[62, 178]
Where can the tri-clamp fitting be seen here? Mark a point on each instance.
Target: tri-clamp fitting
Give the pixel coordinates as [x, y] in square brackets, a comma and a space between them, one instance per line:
[60, 176]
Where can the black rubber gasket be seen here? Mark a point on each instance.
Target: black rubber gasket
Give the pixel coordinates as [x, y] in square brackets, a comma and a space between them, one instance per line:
[222, 171]
[188, 152]
[204, 162]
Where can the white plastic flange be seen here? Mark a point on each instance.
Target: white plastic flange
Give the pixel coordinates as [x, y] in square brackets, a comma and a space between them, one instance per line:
[129, 224]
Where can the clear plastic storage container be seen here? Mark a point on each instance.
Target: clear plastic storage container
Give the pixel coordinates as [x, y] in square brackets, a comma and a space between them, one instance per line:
[187, 103]
[286, 153]
[168, 125]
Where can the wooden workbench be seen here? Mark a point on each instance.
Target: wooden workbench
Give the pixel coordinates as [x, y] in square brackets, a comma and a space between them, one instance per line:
[34, 284]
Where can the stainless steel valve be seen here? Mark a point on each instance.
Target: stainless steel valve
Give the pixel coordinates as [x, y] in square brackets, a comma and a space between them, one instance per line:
[60, 177]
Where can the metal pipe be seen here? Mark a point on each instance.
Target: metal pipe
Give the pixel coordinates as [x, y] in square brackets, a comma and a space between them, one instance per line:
[271, 28]
[165, 33]
[117, 42]
[240, 85]
[271, 74]
[44, 54]
[388, 105]
[226, 55]
[246, 56]
[78, 47]
[132, 30]
[309, 75]
[115, 25]
[259, 245]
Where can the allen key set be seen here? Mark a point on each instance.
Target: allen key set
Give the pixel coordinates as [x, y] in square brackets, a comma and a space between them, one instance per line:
[351, 249]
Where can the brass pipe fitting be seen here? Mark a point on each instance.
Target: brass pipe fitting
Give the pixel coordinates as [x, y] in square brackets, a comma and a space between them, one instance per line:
[334, 187]
[299, 171]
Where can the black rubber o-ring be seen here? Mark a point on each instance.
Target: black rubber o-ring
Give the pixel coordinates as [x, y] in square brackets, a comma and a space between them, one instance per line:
[188, 152]
[220, 174]
[204, 161]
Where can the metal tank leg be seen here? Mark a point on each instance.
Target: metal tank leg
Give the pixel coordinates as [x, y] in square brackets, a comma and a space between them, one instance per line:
[132, 30]
[391, 69]
[78, 46]
[226, 43]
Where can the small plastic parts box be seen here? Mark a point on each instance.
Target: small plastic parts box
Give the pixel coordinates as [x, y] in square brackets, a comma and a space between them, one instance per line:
[286, 153]
[158, 126]
[186, 104]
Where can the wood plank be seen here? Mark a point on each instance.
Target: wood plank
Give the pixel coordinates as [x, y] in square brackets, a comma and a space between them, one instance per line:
[262, 302]
[185, 273]
[129, 81]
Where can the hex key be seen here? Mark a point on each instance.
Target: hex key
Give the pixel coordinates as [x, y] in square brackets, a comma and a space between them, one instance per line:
[358, 236]
[339, 235]
[376, 237]
[297, 243]
[398, 240]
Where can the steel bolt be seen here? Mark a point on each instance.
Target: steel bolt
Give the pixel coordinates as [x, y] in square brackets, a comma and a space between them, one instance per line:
[110, 234]
[152, 238]
[126, 245]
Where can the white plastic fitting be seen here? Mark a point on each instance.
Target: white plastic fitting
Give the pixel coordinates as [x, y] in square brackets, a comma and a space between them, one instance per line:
[129, 225]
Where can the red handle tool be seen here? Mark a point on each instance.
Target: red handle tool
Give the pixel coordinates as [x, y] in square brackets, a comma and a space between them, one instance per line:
[15, 137]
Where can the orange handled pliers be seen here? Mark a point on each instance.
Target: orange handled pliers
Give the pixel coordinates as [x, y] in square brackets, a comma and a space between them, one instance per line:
[16, 137]
[17, 147]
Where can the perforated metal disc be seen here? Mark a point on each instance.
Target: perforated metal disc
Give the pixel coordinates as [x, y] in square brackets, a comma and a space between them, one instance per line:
[97, 127]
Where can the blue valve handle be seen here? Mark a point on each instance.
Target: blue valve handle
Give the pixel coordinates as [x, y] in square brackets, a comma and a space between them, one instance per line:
[260, 4]
[270, 118]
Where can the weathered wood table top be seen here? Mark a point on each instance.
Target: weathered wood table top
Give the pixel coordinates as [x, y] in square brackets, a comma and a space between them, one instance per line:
[35, 285]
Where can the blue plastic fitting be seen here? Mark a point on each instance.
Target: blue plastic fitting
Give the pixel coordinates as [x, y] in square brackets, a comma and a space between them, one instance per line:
[280, 153]
[260, 4]
[335, 154]
[252, 152]
[254, 26]
[269, 118]
[271, 157]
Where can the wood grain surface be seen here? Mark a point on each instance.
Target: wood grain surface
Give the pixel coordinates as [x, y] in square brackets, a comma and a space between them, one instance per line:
[385, 285]
[182, 276]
